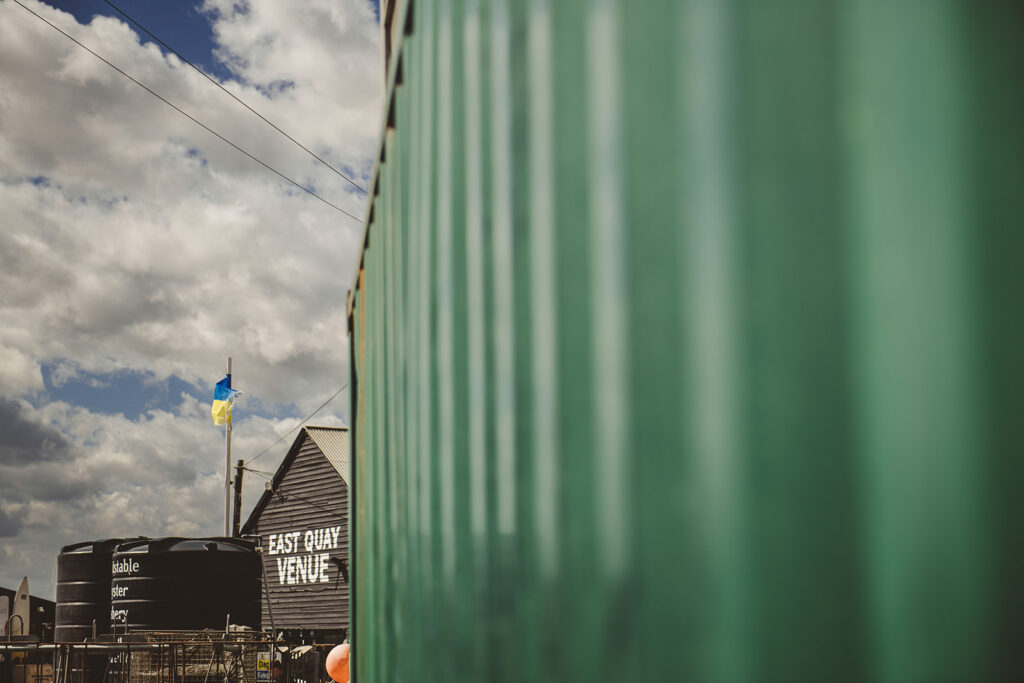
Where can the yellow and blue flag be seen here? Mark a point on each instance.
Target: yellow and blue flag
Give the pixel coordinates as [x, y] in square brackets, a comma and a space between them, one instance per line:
[223, 399]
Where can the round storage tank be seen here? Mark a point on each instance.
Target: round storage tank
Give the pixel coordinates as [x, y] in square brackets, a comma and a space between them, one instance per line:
[185, 584]
[83, 590]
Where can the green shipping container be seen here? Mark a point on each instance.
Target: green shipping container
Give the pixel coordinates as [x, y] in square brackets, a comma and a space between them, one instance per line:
[688, 345]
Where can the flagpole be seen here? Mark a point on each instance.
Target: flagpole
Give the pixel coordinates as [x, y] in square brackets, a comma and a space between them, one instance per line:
[227, 467]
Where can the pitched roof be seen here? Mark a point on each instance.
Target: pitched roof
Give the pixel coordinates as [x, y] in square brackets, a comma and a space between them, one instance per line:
[334, 444]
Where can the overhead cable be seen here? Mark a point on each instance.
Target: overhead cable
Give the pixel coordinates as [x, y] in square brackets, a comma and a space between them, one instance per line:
[235, 97]
[304, 421]
[283, 494]
[184, 113]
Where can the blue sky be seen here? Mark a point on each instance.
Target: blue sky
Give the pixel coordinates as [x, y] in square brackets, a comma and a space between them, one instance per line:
[138, 251]
[133, 393]
[185, 27]
[128, 392]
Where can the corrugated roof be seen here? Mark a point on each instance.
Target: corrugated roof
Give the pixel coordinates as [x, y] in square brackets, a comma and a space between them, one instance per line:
[334, 443]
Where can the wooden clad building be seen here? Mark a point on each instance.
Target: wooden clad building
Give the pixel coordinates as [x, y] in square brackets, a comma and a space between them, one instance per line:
[302, 523]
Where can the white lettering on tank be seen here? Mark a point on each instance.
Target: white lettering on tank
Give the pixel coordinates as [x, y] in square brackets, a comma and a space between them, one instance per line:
[124, 566]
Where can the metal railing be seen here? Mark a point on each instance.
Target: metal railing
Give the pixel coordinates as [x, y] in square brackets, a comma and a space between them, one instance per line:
[164, 657]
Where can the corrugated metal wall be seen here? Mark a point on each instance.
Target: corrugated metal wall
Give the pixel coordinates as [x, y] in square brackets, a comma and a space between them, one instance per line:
[687, 344]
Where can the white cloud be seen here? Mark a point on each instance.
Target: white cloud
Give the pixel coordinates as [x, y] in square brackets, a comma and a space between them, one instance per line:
[131, 239]
[19, 372]
[159, 475]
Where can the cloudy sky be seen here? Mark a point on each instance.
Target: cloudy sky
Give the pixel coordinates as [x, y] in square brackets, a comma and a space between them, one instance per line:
[138, 251]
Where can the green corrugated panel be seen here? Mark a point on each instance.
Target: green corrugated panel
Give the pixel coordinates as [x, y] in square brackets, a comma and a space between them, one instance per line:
[687, 345]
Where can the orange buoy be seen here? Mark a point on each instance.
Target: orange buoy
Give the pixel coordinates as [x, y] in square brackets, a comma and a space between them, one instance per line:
[337, 663]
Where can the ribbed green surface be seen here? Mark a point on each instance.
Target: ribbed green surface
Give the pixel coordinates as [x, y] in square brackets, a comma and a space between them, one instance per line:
[689, 345]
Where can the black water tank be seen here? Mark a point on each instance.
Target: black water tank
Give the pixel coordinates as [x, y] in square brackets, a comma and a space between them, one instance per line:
[83, 590]
[185, 584]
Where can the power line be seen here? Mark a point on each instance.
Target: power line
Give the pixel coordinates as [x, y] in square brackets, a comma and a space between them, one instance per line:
[306, 419]
[284, 494]
[259, 473]
[217, 83]
[183, 113]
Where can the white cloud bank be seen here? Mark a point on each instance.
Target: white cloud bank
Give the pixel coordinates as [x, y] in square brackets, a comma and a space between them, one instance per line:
[131, 239]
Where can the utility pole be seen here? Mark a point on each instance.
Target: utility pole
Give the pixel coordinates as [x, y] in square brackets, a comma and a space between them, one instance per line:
[239, 468]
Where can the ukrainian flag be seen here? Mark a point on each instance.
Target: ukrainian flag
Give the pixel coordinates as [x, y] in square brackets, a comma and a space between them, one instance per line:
[223, 399]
